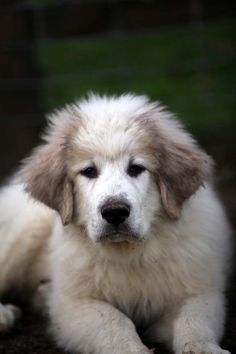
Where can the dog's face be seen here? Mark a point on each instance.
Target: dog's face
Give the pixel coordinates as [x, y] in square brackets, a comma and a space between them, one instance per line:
[115, 166]
[115, 194]
[116, 200]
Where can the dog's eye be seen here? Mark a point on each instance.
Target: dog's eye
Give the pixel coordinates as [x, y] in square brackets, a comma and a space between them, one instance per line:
[135, 170]
[89, 172]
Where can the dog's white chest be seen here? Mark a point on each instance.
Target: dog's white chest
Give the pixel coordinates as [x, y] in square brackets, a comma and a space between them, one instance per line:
[141, 291]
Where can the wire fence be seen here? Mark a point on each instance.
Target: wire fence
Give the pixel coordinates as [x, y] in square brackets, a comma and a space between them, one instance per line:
[49, 48]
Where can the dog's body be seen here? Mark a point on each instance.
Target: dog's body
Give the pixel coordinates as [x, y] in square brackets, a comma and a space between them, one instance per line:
[145, 240]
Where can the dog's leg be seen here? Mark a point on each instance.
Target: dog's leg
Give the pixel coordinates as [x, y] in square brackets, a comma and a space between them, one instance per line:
[91, 326]
[8, 315]
[199, 324]
[40, 297]
[195, 327]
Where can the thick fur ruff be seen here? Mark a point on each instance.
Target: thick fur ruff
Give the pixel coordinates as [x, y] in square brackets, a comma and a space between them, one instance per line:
[117, 210]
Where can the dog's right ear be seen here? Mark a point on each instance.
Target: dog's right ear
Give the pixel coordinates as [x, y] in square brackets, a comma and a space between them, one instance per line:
[45, 176]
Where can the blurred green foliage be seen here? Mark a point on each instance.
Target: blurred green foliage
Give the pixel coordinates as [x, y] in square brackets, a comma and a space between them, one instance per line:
[192, 70]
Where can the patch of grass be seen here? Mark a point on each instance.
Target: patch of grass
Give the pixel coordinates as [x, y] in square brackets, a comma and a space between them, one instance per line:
[193, 71]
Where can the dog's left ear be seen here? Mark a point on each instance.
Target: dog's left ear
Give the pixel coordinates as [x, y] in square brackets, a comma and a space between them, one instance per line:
[182, 170]
[45, 176]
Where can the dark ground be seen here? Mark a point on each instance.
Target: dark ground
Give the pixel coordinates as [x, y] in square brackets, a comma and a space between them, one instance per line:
[29, 336]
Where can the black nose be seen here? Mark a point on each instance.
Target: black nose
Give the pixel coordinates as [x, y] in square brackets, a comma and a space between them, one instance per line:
[115, 213]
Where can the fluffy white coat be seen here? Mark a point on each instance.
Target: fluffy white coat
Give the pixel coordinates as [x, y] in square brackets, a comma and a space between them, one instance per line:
[162, 270]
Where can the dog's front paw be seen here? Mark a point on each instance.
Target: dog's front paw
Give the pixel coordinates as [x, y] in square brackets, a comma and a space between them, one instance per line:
[8, 315]
[202, 348]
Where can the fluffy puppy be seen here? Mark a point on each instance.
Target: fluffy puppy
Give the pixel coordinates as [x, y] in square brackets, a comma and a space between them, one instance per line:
[141, 244]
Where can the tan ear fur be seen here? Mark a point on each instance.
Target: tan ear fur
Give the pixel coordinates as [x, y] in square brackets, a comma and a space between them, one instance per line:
[182, 170]
[45, 177]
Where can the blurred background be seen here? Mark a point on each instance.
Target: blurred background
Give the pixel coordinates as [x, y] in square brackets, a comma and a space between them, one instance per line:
[182, 53]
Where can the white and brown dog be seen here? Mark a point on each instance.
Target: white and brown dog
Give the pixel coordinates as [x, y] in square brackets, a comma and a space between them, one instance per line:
[141, 241]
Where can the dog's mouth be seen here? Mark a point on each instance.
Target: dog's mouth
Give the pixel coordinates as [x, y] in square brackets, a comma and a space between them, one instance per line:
[119, 234]
[117, 238]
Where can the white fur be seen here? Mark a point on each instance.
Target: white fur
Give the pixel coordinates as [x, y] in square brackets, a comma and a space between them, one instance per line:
[170, 280]
[25, 227]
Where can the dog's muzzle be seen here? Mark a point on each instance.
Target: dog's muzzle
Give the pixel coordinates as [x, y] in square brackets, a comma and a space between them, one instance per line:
[116, 214]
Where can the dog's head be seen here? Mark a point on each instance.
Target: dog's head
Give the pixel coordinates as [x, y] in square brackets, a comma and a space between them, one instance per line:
[115, 166]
